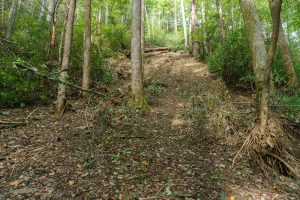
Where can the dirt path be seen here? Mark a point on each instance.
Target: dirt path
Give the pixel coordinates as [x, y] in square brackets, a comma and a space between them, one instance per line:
[176, 151]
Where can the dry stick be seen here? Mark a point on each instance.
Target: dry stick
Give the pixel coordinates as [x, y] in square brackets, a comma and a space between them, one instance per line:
[56, 79]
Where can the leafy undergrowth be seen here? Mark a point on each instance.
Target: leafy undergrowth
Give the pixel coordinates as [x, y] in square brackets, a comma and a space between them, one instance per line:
[182, 149]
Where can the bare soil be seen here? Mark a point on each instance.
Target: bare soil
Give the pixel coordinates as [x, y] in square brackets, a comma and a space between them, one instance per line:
[182, 149]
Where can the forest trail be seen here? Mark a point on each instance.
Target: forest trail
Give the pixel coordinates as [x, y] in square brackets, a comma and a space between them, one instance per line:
[168, 153]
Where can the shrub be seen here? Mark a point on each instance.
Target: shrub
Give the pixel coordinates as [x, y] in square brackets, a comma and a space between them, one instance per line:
[231, 60]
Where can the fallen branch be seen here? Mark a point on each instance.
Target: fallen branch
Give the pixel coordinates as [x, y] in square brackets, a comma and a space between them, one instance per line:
[147, 50]
[57, 79]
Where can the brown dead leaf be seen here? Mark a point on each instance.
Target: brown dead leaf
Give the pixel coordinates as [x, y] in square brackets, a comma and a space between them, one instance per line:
[71, 182]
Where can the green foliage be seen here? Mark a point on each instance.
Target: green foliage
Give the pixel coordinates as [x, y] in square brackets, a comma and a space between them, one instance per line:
[19, 87]
[116, 37]
[231, 60]
[154, 88]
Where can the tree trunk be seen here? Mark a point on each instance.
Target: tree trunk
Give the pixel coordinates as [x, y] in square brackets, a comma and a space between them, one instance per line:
[11, 19]
[195, 42]
[51, 9]
[221, 20]
[203, 13]
[61, 97]
[136, 54]
[286, 56]
[184, 25]
[3, 10]
[99, 21]
[152, 23]
[276, 7]
[175, 17]
[106, 13]
[42, 10]
[142, 34]
[288, 63]
[148, 22]
[87, 47]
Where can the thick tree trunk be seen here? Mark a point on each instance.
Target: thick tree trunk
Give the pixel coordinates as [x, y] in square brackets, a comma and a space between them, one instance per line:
[11, 19]
[51, 9]
[195, 42]
[221, 20]
[184, 25]
[87, 47]
[136, 54]
[256, 42]
[61, 97]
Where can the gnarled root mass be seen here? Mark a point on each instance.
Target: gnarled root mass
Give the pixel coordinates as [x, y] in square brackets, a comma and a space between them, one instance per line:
[270, 150]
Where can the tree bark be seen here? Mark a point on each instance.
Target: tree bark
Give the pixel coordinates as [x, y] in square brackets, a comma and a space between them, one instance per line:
[184, 25]
[87, 47]
[175, 17]
[221, 20]
[286, 56]
[106, 13]
[203, 13]
[51, 9]
[195, 42]
[61, 97]
[148, 21]
[42, 10]
[136, 53]
[3, 9]
[11, 19]
[143, 34]
[276, 7]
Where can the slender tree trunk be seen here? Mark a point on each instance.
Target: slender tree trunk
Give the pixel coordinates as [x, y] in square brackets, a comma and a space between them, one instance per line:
[106, 13]
[143, 34]
[184, 25]
[20, 4]
[158, 19]
[52, 19]
[261, 60]
[3, 10]
[87, 47]
[51, 8]
[99, 21]
[42, 10]
[276, 7]
[61, 97]
[286, 56]
[221, 20]
[11, 19]
[152, 23]
[203, 13]
[148, 22]
[195, 42]
[136, 54]
[175, 17]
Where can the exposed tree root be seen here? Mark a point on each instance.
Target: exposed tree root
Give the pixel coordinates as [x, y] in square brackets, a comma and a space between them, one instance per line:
[269, 152]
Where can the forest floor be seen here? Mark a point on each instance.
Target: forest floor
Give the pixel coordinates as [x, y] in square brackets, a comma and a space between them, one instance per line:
[181, 149]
